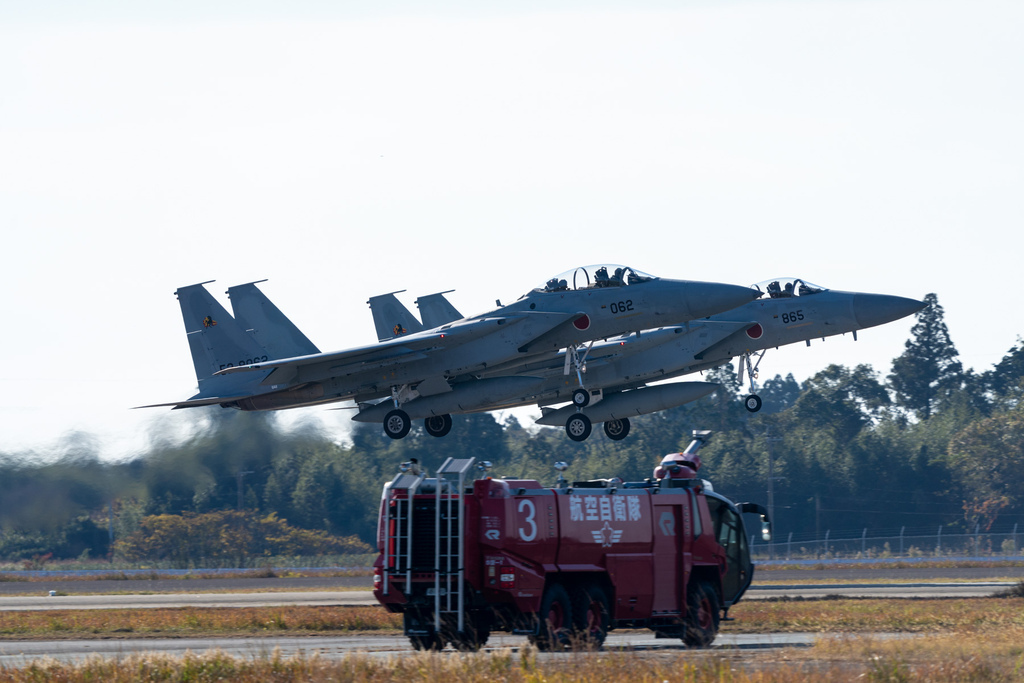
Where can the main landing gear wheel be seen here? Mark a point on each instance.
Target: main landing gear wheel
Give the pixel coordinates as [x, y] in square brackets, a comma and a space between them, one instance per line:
[438, 425]
[578, 427]
[581, 398]
[616, 430]
[752, 403]
[397, 424]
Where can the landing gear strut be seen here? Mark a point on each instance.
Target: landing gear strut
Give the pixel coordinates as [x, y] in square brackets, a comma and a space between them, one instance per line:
[752, 402]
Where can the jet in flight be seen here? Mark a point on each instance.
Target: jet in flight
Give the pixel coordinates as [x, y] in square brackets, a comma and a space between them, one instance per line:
[616, 372]
[258, 360]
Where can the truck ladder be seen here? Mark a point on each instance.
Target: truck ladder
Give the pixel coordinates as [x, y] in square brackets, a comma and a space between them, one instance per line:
[449, 548]
[400, 536]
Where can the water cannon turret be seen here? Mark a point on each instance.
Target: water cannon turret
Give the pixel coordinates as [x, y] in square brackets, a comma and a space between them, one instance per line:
[410, 467]
[561, 482]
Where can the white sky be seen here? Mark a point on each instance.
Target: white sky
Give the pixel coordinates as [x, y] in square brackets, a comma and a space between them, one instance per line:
[349, 151]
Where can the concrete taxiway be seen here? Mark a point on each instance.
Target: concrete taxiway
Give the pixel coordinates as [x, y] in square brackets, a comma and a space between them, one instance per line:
[356, 597]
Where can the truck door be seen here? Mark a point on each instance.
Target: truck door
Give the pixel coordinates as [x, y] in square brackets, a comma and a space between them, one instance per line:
[668, 569]
[731, 536]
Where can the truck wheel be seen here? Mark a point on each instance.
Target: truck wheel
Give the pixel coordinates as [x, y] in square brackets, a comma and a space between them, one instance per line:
[591, 615]
[425, 638]
[555, 620]
[477, 631]
[702, 615]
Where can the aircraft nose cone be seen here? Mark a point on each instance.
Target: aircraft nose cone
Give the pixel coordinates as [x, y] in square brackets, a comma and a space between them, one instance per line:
[708, 298]
[878, 309]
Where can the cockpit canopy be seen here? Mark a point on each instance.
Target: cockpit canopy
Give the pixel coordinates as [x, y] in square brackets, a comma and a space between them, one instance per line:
[785, 287]
[601, 275]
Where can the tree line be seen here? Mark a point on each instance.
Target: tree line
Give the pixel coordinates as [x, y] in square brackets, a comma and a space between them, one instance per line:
[929, 444]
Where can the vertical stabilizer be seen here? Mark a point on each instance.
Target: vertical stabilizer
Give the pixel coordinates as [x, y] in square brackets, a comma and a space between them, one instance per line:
[216, 340]
[391, 318]
[437, 310]
[257, 315]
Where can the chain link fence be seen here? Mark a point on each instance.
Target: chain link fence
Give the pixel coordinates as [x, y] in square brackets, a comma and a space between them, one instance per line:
[886, 544]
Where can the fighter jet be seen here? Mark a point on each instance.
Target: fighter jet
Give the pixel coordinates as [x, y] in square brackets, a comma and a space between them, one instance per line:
[241, 367]
[617, 371]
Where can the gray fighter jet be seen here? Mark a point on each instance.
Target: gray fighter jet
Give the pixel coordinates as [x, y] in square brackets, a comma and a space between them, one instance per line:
[617, 371]
[242, 367]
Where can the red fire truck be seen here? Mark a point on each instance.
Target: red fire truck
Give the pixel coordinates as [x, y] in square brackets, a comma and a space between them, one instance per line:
[461, 556]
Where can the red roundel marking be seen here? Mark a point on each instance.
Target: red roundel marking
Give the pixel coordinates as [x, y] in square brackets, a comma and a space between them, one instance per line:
[582, 323]
[755, 332]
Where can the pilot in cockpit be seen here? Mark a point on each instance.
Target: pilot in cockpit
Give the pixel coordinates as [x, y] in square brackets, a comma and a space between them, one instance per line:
[788, 291]
[617, 278]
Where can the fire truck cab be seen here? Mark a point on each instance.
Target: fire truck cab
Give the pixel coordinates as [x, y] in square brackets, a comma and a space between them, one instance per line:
[461, 556]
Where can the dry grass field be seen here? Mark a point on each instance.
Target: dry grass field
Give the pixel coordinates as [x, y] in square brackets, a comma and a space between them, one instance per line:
[962, 640]
[951, 658]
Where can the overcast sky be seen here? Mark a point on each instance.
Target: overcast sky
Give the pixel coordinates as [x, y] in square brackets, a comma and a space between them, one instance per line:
[344, 150]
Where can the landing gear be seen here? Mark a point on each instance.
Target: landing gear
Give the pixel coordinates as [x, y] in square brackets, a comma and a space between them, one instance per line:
[438, 425]
[578, 427]
[397, 424]
[581, 398]
[616, 430]
[752, 402]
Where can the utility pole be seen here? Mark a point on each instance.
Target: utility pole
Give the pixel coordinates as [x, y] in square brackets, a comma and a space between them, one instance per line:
[241, 473]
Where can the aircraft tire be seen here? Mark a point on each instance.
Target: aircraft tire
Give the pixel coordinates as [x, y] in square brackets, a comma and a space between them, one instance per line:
[397, 424]
[438, 425]
[752, 403]
[616, 430]
[578, 427]
[581, 398]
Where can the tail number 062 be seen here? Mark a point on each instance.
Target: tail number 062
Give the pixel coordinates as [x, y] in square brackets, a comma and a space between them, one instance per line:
[529, 532]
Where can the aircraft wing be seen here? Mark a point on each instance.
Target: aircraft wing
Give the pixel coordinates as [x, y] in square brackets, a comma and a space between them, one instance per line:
[398, 350]
[197, 402]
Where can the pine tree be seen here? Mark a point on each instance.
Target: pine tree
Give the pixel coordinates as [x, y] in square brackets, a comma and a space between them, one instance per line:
[928, 372]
